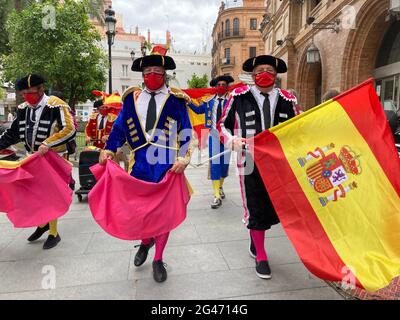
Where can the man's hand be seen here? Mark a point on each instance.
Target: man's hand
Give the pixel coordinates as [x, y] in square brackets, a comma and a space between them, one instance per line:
[237, 144]
[104, 139]
[43, 149]
[88, 140]
[104, 156]
[179, 167]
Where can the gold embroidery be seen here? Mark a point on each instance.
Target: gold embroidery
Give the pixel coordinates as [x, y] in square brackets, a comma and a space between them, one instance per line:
[132, 126]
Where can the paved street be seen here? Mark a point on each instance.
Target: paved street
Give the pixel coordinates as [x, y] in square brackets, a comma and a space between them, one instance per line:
[207, 258]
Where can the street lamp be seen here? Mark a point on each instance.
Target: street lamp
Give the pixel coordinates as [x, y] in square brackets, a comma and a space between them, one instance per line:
[110, 24]
[313, 55]
[133, 54]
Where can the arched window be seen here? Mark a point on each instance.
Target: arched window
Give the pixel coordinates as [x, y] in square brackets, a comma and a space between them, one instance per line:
[227, 27]
[236, 26]
[389, 52]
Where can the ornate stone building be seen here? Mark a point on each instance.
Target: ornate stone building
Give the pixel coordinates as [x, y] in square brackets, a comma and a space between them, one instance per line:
[236, 35]
[335, 44]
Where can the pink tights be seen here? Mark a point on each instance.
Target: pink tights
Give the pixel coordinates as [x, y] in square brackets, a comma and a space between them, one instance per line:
[258, 240]
[161, 242]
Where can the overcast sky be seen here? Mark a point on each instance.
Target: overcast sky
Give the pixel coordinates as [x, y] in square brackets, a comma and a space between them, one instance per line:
[190, 21]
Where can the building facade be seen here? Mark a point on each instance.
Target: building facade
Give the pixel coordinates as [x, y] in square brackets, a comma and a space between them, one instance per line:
[335, 44]
[188, 64]
[7, 104]
[236, 36]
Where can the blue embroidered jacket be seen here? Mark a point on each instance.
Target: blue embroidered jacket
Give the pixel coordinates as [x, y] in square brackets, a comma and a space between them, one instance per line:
[152, 157]
[206, 108]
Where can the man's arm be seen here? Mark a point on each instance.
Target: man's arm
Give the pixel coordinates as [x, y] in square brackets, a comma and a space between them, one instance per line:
[186, 141]
[201, 109]
[10, 136]
[66, 123]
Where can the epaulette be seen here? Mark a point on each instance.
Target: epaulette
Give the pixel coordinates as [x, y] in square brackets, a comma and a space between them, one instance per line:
[55, 102]
[240, 90]
[93, 115]
[180, 94]
[287, 95]
[112, 117]
[129, 91]
[22, 106]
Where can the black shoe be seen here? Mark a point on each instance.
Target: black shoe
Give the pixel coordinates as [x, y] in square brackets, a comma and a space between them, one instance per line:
[222, 193]
[216, 203]
[38, 233]
[51, 242]
[252, 249]
[263, 270]
[142, 253]
[159, 271]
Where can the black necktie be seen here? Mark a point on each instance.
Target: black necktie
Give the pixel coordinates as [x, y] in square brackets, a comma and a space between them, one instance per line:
[151, 113]
[266, 111]
[219, 109]
[101, 126]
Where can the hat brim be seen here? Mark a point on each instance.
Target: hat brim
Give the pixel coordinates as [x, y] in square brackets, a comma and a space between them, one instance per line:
[153, 61]
[279, 65]
[227, 79]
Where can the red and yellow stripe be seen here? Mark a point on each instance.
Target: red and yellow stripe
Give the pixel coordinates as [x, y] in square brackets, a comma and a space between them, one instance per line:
[360, 231]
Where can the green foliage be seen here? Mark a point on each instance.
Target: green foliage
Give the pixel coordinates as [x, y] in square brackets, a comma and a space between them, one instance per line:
[2, 93]
[5, 8]
[198, 82]
[57, 41]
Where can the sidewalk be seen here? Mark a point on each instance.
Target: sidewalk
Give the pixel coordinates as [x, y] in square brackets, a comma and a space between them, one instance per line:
[207, 258]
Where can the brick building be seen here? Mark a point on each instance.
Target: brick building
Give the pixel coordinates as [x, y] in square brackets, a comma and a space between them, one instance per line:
[236, 35]
[335, 44]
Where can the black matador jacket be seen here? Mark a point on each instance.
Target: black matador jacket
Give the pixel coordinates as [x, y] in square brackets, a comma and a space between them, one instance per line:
[243, 118]
[52, 125]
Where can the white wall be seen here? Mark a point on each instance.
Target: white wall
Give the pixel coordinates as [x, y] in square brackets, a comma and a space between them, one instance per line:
[188, 64]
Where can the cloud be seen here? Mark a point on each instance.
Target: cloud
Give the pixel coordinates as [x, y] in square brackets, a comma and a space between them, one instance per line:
[190, 21]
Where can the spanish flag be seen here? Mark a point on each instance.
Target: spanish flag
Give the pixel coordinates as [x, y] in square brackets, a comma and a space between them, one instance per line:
[333, 175]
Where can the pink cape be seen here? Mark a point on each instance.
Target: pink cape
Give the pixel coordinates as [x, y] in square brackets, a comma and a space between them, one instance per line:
[36, 191]
[131, 209]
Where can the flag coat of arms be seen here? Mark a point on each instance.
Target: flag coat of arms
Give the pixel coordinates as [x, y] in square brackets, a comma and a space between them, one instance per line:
[333, 175]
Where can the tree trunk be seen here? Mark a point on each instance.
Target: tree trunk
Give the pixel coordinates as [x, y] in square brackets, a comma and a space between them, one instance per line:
[18, 5]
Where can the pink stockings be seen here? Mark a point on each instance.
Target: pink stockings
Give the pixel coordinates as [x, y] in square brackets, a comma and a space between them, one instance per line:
[161, 242]
[258, 240]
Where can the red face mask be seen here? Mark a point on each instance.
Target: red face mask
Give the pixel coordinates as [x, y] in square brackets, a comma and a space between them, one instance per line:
[33, 98]
[265, 79]
[154, 81]
[103, 111]
[221, 90]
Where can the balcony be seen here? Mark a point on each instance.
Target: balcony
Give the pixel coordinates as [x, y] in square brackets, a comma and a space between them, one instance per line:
[231, 34]
[227, 62]
[264, 23]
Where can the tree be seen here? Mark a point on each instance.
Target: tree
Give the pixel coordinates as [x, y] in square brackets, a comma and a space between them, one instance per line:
[198, 82]
[58, 41]
[5, 8]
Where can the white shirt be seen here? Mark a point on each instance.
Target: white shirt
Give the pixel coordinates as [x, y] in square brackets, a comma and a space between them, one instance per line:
[273, 100]
[99, 118]
[215, 109]
[143, 100]
[39, 108]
